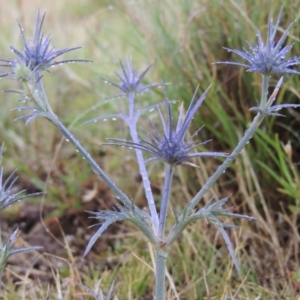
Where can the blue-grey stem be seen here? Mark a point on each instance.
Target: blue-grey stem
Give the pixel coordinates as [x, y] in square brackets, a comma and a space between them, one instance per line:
[169, 171]
[95, 167]
[42, 95]
[242, 143]
[160, 274]
[141, 162]
[264, 91]
[221, 169]
[179, 227]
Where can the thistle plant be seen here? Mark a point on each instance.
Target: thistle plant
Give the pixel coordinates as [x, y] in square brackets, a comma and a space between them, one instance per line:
[7, 198]
[169, 144]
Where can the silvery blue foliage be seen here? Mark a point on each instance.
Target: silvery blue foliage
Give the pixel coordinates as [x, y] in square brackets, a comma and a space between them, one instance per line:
[37, 54]
[8, 197]
[130, 85]
[9, 249]
[130, 79]
[171, 145]
[269, 57]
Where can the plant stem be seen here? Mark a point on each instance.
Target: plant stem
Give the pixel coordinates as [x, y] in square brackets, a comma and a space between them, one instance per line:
[221, 169]
[160, 273]
[179, 227]
[41, 89]
[35, 92]
[141, 162]
[95, 167]
[169, 171]
[264, 90]
[242, 143]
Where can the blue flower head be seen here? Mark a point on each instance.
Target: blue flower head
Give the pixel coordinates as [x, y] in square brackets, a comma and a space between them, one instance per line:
[130, 79]
[269, 57]
[171, 146]
[37, 54]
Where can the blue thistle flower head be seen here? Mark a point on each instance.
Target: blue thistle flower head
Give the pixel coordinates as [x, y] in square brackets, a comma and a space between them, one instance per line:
[130, 79]
[37, 54]
[171, 145]
[269, 57]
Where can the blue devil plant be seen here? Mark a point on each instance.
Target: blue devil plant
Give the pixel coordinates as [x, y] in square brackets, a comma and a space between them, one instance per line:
[7, 198]
[169, 145]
